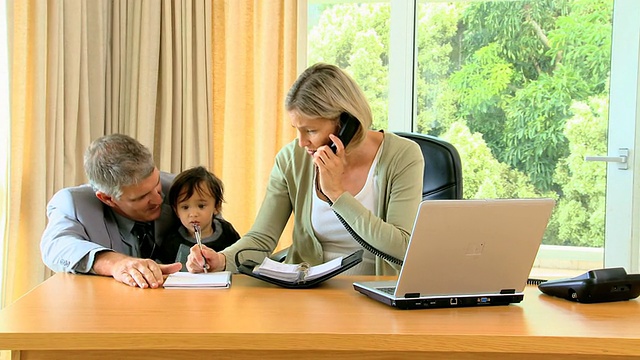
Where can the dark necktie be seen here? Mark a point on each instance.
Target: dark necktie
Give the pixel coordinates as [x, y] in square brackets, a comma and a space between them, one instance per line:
[144, 233]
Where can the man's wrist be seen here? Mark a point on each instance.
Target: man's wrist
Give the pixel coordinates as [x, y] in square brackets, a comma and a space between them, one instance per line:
[104, 262]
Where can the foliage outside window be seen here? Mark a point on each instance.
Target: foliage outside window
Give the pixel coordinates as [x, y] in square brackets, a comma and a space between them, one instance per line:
[519, 87]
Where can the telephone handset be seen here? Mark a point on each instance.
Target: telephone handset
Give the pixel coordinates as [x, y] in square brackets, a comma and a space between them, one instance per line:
[348, 127]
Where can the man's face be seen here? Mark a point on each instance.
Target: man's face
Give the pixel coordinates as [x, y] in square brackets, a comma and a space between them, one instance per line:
[140, 202]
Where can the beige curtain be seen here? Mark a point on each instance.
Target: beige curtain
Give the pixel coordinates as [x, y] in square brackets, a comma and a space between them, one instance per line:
[254, 55]
[27, 195]
[197, 81]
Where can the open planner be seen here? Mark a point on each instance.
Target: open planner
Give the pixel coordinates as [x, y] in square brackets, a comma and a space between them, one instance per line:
[299, 275]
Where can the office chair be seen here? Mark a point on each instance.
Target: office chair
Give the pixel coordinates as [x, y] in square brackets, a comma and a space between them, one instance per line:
[442, 177]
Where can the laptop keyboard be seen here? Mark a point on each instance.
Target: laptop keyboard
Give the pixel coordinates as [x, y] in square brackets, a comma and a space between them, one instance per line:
[388, 290]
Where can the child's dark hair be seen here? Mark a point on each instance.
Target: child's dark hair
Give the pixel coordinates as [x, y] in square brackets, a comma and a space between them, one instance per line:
[196, 179]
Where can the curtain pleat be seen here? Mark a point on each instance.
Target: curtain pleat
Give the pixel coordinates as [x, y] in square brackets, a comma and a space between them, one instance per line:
[252, 75]
[27, 187]
[200, 82]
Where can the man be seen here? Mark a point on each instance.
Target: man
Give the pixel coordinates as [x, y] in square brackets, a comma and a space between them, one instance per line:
[107, 227]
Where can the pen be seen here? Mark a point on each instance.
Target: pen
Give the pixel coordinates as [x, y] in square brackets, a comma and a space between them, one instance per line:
[196, 231]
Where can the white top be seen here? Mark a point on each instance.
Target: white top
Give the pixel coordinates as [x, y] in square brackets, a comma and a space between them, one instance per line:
[334, 237]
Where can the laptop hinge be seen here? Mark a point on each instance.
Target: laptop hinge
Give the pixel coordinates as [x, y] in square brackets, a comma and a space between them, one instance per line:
[508, 291]
[411, 295]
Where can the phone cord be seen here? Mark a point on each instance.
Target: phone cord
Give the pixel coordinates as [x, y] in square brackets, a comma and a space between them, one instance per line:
[237, 257]
[357, 237]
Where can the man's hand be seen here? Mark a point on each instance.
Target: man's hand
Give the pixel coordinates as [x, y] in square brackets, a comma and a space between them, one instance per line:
[144, 273]
[213, 260]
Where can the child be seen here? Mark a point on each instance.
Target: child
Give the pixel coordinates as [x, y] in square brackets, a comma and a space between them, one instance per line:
[196, 198]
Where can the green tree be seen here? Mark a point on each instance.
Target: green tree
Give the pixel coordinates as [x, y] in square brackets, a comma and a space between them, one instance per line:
[484, 177]
[532, 59]
[436, 38]
[580, 213]
[355, 37]
[481, 85]
[501, 80]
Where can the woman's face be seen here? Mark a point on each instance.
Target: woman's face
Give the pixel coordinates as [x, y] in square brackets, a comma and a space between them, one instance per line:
[312, 133]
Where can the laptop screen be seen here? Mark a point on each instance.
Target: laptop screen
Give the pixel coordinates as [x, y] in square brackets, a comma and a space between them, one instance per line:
[473, 246]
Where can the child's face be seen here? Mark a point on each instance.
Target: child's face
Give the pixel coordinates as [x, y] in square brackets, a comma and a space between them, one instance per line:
[198, 209]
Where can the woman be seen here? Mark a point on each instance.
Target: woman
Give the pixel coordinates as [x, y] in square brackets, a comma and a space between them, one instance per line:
[374, 184]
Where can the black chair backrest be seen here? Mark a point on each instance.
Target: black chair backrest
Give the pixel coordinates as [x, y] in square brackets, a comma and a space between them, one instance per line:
[442, 167]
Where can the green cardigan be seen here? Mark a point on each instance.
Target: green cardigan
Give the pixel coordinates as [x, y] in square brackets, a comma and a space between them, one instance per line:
[399, 180]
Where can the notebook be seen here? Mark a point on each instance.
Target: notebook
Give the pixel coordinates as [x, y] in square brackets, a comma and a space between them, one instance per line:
[186, 280]
[466, 253]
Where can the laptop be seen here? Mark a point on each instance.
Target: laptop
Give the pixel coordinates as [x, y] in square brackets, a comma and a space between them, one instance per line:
[466, 253]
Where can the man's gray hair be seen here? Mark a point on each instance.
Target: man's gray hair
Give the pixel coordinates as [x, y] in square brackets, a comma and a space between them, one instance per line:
[117, 160]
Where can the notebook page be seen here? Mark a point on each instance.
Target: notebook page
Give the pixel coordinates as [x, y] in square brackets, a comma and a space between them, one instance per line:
[214, 280]
[323, 269]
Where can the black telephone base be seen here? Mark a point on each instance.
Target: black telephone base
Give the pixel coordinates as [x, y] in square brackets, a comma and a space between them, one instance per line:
[603, 285]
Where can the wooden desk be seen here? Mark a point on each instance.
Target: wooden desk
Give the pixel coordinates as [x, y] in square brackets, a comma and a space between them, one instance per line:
[90, 317]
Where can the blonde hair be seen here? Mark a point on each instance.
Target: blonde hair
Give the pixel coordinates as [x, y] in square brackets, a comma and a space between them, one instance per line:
[326, 91]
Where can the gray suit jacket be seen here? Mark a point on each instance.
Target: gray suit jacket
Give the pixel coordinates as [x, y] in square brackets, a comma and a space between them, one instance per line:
[79, 223]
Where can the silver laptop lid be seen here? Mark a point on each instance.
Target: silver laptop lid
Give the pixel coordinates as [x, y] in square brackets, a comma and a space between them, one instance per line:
[462, 247]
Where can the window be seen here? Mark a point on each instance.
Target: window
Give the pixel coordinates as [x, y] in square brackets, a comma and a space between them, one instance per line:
[521, 88]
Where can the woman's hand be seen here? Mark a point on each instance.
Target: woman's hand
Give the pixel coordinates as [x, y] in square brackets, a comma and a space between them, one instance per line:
[330, 167]
[197, 260]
